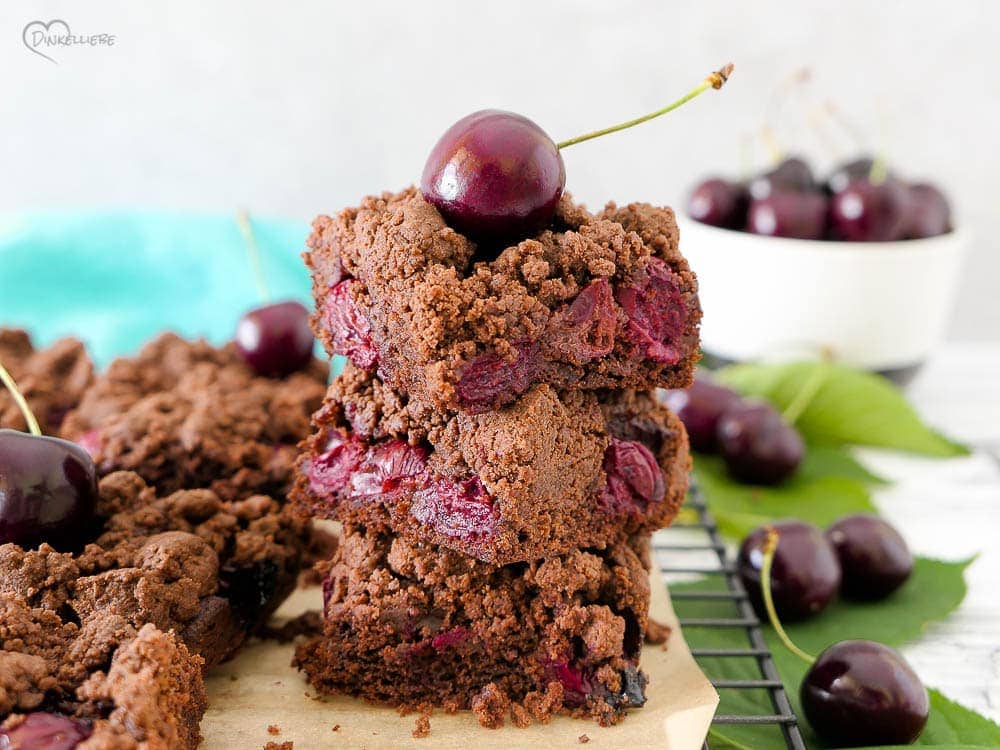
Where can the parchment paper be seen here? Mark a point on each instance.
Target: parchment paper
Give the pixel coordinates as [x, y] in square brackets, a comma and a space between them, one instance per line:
[267, 691]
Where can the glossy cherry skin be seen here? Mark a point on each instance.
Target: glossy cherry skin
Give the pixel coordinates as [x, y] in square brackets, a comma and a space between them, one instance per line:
[699, 408]
[720, 203]
[757, 444]
[48, 490]
[842, 176]
[873, 556]
[868, 212]
[805, 574]
[791, 175]
[275, 340]
[45, 731]
[928, 212]
[862, 693]
[784, 213]
[495, 176]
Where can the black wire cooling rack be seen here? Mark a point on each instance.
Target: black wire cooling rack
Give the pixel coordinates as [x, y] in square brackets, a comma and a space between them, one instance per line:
[782, 718]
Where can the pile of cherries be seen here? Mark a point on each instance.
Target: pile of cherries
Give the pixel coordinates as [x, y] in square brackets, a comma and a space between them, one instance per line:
[757, 444]
[859, 202]
[856, 692]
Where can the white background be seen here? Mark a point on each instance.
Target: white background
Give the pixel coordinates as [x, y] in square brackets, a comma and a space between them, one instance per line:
[301, 107]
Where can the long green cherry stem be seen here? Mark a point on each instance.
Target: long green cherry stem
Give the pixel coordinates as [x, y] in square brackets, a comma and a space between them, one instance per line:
[770, 546]
[7, 379]
[806, 393]
[246, 229]
[879, 170]
[713, 80]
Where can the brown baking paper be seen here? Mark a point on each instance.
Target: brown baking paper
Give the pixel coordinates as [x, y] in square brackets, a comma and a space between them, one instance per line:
[267, 692]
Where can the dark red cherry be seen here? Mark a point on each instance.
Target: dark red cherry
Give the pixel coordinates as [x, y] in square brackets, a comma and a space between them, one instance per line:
[699, 408]
[495, 175]
[805, 574]
[868, 212]
[275, 340]
[720, 203]
[862, 693]
[791, 175]
[873, 556]
[634, 478]
[856, 169]
[45, 731]
[787, 213]
[757, 444]
[48, 490]
[927, 213]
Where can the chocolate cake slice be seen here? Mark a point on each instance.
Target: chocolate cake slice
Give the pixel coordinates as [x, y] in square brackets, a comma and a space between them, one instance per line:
[596, 301]
[413, 625]
[550, 473]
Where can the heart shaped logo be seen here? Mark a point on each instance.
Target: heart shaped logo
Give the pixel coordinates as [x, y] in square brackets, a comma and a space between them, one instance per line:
[39, 35]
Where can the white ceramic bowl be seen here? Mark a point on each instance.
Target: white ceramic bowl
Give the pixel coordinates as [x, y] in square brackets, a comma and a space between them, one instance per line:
[882, 306]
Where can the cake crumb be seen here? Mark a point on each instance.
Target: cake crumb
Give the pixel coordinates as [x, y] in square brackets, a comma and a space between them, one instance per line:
[422, 727]
[233, 678]
[279, 746]
[491, 706]
[541, 706]
[657, 632]
[520, 716]
[583, 739]
[273, 729]
[336, 727]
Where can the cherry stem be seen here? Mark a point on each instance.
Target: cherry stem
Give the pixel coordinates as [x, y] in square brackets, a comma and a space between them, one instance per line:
[879, 171]
[746, 160]
[853, 132]
[779, 97]
[771, 144]
[807, 392]
[22, 404]
[714, 80]
[817, 123]
[770, 547]
[246, 229]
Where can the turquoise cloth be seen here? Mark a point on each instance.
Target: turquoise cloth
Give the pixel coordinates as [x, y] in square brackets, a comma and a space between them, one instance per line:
[117, 279]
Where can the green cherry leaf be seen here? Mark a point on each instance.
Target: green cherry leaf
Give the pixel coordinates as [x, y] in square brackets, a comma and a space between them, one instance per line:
[850, 407]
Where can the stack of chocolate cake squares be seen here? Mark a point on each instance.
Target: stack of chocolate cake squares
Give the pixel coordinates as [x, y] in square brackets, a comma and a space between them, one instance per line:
[496, 455]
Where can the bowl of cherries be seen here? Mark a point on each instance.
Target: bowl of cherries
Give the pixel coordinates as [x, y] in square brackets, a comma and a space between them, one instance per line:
[861, 266]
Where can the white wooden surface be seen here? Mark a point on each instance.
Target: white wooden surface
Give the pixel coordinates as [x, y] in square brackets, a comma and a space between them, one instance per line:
[951, 509]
